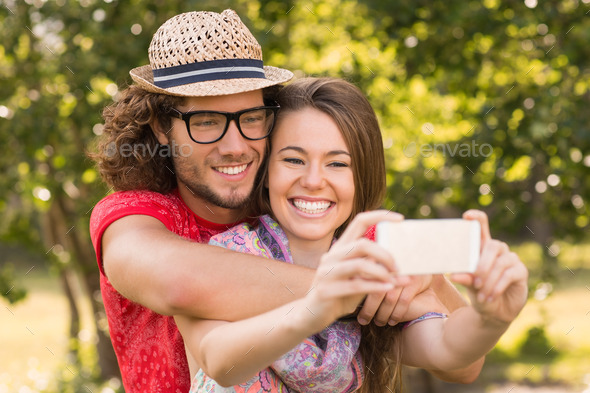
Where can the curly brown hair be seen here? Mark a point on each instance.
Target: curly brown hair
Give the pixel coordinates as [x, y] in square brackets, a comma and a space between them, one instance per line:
[120, 152]
[345, 103]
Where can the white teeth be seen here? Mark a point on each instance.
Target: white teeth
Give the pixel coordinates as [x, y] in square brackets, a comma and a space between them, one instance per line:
[231, 170]
[311, 207]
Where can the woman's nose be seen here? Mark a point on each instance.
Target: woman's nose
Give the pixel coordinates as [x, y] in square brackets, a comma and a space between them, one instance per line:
[313, 178]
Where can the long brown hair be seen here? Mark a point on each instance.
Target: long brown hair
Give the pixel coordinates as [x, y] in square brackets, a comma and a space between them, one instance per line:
[349, 108]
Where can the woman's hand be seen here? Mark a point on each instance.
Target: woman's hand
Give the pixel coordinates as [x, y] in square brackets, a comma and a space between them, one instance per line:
[353, 268]
[498, 288]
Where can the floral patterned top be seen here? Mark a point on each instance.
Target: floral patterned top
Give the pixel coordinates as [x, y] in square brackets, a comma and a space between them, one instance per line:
[326, 362]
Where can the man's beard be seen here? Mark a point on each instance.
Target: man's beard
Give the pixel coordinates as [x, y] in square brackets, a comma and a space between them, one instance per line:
[192, 178]
[207, 194]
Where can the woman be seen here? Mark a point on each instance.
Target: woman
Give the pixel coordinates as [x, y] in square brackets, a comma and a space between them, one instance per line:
[325, 167]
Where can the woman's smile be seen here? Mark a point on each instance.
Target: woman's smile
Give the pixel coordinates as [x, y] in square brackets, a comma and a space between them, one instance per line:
[311, 207]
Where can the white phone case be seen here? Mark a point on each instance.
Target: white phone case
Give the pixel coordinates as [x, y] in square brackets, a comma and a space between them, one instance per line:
[432, 246]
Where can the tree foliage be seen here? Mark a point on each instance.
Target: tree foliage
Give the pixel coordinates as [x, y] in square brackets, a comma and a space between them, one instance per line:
[482, 105]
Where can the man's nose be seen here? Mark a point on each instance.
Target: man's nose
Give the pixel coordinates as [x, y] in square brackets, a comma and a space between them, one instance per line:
[232, 143]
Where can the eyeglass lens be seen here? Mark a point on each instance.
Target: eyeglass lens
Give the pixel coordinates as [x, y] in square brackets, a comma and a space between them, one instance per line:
[209, 126]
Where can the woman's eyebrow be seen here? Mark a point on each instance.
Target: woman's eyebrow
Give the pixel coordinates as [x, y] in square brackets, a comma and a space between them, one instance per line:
[296, 148]
[337, 152]
[303, 151]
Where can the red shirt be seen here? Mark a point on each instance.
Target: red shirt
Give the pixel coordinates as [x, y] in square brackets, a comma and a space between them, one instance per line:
[149, 348]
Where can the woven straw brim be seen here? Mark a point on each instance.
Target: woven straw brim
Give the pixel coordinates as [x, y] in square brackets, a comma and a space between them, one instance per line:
[144, 78]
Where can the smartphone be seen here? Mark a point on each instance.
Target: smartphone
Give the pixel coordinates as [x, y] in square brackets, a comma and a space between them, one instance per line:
[432, 246]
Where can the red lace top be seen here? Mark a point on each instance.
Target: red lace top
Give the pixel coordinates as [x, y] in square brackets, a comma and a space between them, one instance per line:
[149, 348]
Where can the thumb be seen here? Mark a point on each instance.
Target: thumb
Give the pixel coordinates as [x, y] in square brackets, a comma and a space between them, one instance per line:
[480, 216]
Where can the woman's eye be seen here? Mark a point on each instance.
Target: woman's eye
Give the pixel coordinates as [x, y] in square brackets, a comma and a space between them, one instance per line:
[339, 164]
[296, 161]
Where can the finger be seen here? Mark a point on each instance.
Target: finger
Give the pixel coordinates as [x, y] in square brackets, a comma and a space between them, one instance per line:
[340, 289]
[403, 303]
[388, 304]
[372, 303]
[514, 274]
[356, 268]
[359, 225]
[363, 248]
[501, 264]
[483, 223]
[492, 249]
[402, 280]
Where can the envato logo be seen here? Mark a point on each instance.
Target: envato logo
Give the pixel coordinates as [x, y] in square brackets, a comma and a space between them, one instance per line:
[126, 150]
[472, 149]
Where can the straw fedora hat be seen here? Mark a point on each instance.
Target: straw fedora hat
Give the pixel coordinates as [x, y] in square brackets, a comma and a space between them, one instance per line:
[206, 54]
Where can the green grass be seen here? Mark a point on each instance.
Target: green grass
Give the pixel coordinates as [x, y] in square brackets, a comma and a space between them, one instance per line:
[567, 325]
[33, 334]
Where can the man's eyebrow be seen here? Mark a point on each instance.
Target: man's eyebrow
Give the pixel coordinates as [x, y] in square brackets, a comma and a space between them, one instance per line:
[303, 151]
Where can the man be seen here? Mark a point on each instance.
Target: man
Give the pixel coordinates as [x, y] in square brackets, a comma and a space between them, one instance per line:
[182, 148]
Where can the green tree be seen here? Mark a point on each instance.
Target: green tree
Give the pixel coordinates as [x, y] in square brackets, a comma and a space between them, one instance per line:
[61, 63]
[482, 105]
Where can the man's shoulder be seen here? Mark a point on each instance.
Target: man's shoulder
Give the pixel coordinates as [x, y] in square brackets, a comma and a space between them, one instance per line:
[123, 203]
[139, 197]
[134, 200]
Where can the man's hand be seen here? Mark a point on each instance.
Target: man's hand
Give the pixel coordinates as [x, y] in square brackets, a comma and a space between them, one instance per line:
[391, 307]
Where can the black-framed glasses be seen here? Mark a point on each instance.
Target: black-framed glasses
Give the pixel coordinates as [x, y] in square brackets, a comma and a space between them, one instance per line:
[210, 126]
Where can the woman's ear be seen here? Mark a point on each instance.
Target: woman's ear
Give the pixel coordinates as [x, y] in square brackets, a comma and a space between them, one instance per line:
[162, 135]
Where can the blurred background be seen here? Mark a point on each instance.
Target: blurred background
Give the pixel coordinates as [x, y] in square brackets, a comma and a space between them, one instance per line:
[483, 104]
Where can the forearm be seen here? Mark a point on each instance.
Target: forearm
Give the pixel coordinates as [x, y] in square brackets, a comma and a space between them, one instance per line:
[174, 276]
[466, 374]
[226, 285]
[465, 346]
[232, 353]
[453, 300]
[443, 297]
[455, 347]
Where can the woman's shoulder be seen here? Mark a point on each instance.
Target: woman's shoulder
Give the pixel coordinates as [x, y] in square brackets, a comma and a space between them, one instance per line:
[241, 230]
[242, 238]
